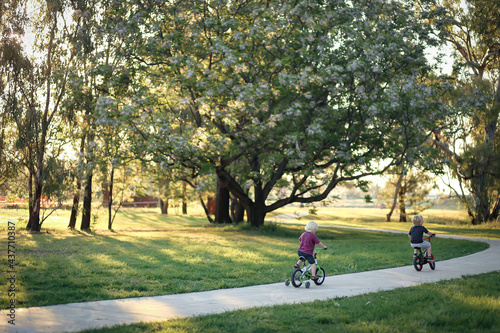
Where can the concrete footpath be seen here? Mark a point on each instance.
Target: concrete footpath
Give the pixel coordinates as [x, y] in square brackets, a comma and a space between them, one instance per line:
[80, 316]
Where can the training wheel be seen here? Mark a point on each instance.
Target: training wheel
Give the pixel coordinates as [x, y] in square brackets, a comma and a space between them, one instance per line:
[308, 284]
[287, 282]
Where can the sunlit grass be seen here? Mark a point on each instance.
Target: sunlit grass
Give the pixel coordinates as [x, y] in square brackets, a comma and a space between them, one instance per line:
[153, 254]
[440, 221]
[126, 219]
[470, 304]
[444, 221]
[66, 267]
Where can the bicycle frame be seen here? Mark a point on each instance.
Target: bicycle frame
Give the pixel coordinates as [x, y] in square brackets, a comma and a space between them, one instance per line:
[421, 258]
[301, 275]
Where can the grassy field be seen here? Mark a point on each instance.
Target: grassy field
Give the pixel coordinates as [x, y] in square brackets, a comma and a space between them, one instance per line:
[470, 304]
[127, 219]
[440, 221]
[150, 254]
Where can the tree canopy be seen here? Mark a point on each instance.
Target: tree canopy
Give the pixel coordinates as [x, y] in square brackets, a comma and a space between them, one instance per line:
[306, 93]
[268, 102]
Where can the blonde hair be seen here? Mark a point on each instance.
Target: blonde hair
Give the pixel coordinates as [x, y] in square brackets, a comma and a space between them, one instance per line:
[418, 220]
[311, 226]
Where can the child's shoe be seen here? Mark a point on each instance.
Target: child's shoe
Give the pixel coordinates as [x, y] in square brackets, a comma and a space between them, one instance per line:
[430, 259]
[296, 266]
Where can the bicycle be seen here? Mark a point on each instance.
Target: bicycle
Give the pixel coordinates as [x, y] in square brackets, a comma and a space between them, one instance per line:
[420, 259]
[301, 275]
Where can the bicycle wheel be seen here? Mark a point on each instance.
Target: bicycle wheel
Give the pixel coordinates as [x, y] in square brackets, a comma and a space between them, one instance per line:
[321, 276]
[296, 278]
[432, 264]
[417, 263]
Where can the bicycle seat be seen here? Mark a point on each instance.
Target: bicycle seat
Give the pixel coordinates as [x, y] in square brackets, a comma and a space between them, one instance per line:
[302, 258]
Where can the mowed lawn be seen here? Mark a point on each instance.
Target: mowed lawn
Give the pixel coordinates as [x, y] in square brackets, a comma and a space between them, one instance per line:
[150, 254]
[440, 221]
[469, 304]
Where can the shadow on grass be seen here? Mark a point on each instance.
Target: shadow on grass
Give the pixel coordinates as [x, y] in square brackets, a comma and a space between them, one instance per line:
[469, 304]
[79, 266]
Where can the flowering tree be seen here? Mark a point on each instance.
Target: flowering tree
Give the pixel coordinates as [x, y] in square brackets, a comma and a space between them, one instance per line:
[302, 95]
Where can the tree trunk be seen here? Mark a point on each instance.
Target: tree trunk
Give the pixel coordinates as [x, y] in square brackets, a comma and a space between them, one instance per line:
[30, 200]
[184, 199]
[210, 205]
[76, 197]
[256, 211]
[87, 204]
[482, 206]
[398, 185]
[496, 209]
[222, 204]
[42, 140]
[110, 199]
[484, 164]
[87, 196]
[164, 206]
[256, 215]
[402, 205]
[35, 213]
[237, 210]
[74, 208]
[205, 208]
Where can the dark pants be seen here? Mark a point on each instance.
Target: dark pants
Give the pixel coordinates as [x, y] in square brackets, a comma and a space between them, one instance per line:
[309, 257]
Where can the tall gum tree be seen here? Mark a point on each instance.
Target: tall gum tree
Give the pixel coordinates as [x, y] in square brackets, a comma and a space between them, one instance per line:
[40, 90]
[472, 144]
[99, 77]
[304, 94]
[14, 68]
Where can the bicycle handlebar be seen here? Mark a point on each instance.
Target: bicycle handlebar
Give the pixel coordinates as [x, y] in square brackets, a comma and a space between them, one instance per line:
[430, 236]
[319, 250]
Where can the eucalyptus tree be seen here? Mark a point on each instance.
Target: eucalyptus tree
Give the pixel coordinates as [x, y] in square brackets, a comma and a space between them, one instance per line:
[410, 182]
[408, 188]
[472, 143]
[113, 151]
[79, 104]
[39, 85]
[112, 156]
[309, 93]
[99, 72]
[13, 64]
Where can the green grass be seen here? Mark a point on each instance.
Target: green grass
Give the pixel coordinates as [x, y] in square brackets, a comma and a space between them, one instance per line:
[150, 254]
[127, 219]
[470, 304]
[440, 221]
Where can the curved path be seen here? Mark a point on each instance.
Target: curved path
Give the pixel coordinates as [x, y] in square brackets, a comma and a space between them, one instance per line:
[79, 316]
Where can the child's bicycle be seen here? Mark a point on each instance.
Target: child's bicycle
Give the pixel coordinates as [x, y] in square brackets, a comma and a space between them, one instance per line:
[301, 275]
[421, 258]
